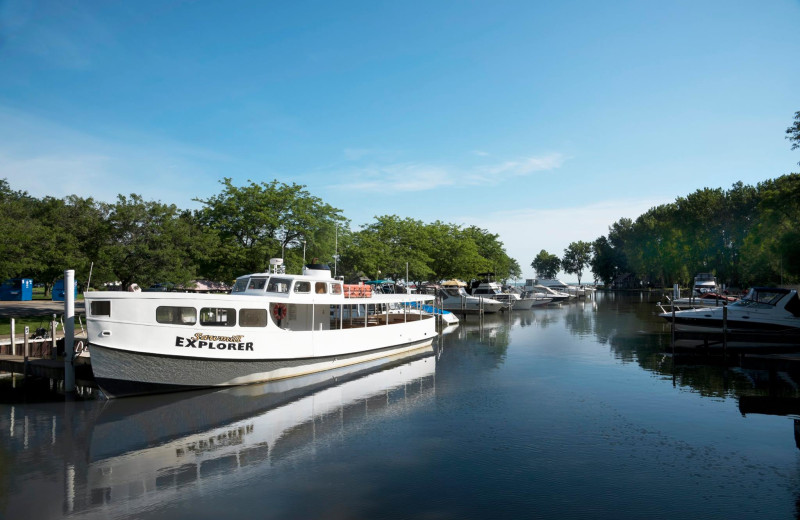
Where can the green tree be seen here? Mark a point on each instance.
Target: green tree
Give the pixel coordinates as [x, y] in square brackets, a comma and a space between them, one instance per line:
[493, 251]
[260, 221]
[75, 232]
[20, 232]
[793, 132]
[546, 265]
[604, 262]
[385, 248]
[147, 242]
[453, 253]
[772, 251]
[576, 258]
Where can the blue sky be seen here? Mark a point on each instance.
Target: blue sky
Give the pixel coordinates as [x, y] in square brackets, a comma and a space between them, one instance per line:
[544, 122]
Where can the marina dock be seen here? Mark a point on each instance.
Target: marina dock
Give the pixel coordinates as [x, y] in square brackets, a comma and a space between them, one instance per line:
[47, 368]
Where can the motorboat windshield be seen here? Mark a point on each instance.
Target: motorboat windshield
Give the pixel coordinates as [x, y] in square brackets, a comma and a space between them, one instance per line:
[455, 292]
[762, 298]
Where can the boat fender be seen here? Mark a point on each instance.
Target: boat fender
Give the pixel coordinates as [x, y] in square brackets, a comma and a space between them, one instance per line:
[279, 311]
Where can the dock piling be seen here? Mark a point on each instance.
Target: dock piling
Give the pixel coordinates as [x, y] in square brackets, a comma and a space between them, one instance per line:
[69, 331]
[13, 338]
[724, 327]
[53, 349]
[25, 352]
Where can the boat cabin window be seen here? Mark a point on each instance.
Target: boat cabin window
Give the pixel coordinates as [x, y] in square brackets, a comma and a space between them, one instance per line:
[252, 317]
[453, 292]
[101, 308]
[336, 288]
[240, 285]
[793, 306]
[279, 285]
[320, 288]
[257, 282]
[217, 317]
[176, 315]
[302, 287]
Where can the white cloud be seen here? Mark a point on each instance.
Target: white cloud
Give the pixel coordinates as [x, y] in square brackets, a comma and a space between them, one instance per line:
[516, 168]
[422, 177]
[399, 177]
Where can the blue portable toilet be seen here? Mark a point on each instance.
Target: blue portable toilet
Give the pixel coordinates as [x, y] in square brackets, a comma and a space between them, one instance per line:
[58, 291]
[17, 289]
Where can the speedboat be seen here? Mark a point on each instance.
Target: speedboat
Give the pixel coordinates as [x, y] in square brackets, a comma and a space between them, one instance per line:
[455, 299]
[271, 326]
[551, 287]
[707, 299]
[764, 309]
[541, 291]
[704, 283]
[511, 300]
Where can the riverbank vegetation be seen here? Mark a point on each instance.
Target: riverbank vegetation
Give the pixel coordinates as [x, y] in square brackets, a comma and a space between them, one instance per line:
[235, 232]
[745, 235]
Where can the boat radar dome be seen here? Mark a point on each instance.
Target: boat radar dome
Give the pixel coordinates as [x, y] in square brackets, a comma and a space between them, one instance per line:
[276, 265]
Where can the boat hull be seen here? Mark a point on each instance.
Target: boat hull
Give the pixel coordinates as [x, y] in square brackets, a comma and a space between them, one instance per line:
[123, 373]
[698, 324]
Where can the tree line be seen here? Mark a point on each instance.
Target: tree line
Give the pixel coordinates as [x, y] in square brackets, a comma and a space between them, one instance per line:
[233, 233]
[746, 235]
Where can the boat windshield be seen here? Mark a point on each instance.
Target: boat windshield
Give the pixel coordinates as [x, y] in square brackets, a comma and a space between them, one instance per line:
[278, 285]
[240, 285]
[761, 299]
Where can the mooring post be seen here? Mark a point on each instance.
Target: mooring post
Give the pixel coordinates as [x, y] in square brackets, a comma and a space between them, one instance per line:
[69, 330]
[672, 326]
[53, 349]
[25, 353]
[724, 326]
[13, 338]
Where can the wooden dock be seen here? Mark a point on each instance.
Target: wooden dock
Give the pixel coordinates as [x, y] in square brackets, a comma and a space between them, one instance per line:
[44, 361]
[47, 368]
[736, 342]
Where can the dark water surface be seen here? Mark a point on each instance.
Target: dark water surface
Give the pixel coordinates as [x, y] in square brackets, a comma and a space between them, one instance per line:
[568, 412]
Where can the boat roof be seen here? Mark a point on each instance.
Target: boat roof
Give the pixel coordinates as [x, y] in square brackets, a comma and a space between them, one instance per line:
[451, 283]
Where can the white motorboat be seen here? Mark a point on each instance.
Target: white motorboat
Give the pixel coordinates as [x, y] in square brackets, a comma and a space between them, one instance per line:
[550, 287]
[272, 326]
[455, 299]
[540, 291]
[764, 309]
[704, 283]
[511, 300]
[707, 299]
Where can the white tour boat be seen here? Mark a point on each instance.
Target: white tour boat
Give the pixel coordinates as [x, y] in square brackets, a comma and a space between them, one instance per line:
[272, 326]
[764, 309]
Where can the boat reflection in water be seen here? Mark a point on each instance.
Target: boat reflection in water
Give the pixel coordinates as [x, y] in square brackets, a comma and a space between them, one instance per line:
[773, 405]
[142, 449]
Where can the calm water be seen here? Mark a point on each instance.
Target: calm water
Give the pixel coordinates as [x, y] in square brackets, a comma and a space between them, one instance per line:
[570, 412]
